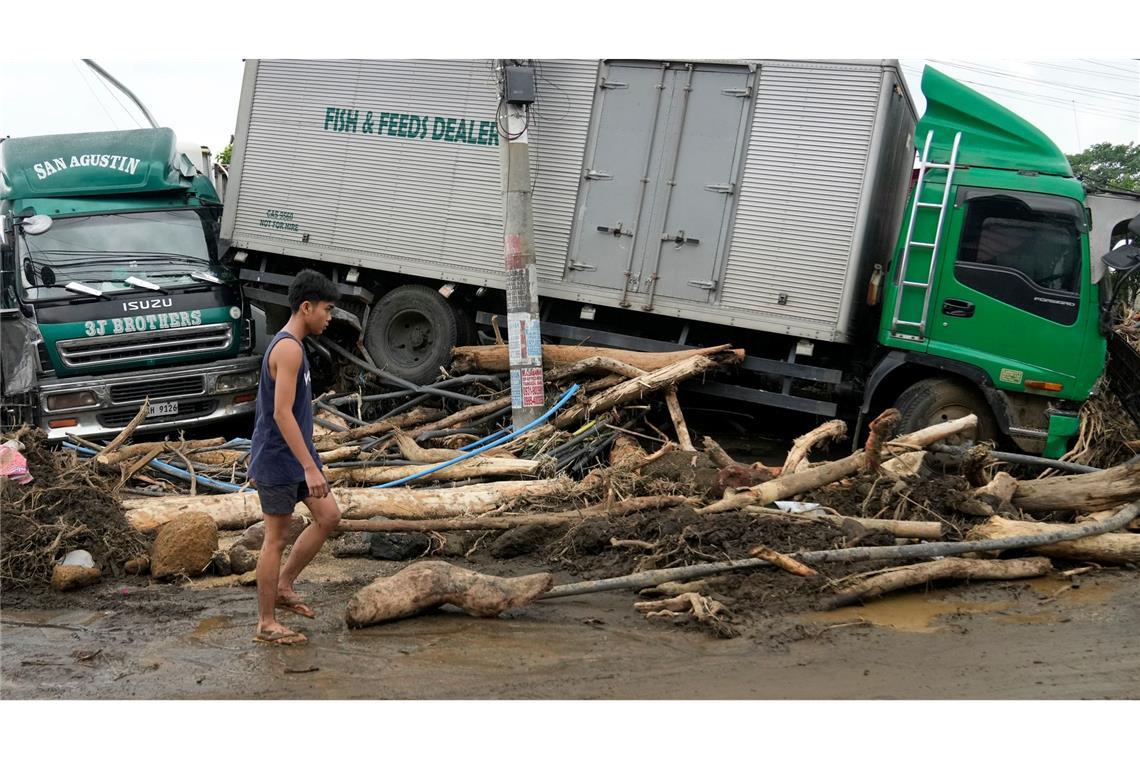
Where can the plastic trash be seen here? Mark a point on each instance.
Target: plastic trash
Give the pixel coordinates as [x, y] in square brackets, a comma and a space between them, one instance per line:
[79, 557]
[799, 507]
[13, 465]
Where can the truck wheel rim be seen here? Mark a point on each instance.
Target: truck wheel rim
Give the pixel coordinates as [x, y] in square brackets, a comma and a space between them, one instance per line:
[410, 337]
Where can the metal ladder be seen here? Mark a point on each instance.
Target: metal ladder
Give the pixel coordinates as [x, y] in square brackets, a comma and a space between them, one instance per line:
[926, 283]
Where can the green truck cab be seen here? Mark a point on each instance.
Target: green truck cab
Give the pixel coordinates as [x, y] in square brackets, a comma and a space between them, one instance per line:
[991, 283]
[111, 292]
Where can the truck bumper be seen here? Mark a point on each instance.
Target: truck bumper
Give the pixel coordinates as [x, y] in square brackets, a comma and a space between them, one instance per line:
[118, 396]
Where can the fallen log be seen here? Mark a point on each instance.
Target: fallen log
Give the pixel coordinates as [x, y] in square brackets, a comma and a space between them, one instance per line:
[604, 363]
[957, 568]
[126, 432]
[927, 531]
[217, 457]
[1091, 492]
[880, 430]
[131, 468]
[417, 416]
[802, 446]
[788, 485]
[507, 522]
[472, 412]
[1107, 548]
[338, 455]
[495, 359]
[998, 493]
[424, 586]
[678, 419]
[638, 387]
[413, 452]
[718, 455]
[129, 452]
[782, 561]
[236, 511]
[703, 609]
[476, 467]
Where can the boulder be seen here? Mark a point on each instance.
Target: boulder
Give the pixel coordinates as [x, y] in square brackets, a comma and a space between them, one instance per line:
[184, 546]
[399, 546]
[353, 544]
[69, 577]
[242, 559]
[254, 535]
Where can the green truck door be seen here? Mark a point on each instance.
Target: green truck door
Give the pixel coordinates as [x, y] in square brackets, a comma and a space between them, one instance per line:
[1009, 293]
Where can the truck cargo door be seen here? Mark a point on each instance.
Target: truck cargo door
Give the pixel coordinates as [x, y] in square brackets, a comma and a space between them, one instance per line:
[693, 202]
[622, 153]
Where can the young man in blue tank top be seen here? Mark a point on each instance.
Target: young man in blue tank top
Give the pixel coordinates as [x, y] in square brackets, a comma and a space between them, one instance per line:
[283, 462]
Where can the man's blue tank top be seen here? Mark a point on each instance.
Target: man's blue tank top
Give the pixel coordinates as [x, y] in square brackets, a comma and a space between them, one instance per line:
[271, 461]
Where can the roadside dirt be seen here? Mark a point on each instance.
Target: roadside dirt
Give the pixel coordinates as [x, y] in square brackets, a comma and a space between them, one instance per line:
[129, 639]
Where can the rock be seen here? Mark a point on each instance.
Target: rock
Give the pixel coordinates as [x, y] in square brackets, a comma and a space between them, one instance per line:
[80, 558]
[242, 560]
[457, 543]
[69, 577]
[523, 540]
[254, 535]
[399, 546]
[184, 546]
[354, 544]
[140, 565]
[221, 564]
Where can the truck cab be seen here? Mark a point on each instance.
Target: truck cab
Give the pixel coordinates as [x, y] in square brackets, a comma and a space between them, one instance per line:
[991, 284]
[112, 293]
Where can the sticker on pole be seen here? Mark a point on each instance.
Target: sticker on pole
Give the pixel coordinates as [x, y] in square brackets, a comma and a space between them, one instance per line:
[532, 394]
[524, 345]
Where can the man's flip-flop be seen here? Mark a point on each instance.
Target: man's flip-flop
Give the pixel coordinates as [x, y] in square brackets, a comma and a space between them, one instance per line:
[281, 638]
[296, 606]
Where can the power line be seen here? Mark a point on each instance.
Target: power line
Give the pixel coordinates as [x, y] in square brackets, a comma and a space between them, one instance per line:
[1108, 65]
[130, 115]
[1135, 77]
[1063, 85]
[110, 118]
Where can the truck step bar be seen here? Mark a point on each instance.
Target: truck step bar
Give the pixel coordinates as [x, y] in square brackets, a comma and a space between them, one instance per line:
[924, 281]
[784, 369]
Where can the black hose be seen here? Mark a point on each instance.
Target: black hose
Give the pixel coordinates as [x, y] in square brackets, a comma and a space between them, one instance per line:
[394, 379]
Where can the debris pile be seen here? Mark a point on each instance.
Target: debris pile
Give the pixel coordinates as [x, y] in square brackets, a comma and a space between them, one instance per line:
[609, 486]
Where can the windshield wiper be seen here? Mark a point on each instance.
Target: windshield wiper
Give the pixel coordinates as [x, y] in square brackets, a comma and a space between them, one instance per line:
[141, 283]
[87, 290]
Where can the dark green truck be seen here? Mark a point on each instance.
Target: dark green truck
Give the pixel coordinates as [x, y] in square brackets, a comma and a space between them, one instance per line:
[111, 292]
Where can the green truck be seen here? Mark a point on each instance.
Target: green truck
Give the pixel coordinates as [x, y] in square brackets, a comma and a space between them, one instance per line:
[770, 204]
[111, 291]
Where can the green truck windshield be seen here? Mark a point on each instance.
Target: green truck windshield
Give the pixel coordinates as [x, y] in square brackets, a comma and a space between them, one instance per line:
[163, 247]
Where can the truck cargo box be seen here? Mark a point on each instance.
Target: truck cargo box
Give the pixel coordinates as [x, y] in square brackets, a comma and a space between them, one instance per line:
[754, 193]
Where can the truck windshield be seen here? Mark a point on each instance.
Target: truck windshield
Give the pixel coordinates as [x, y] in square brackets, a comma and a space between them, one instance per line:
[102, 251]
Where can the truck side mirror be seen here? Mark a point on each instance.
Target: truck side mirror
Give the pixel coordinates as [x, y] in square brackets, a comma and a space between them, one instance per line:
[1124, 257]
[1134, 226]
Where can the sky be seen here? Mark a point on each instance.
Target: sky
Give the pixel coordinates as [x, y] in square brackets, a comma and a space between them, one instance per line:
[1077, 102]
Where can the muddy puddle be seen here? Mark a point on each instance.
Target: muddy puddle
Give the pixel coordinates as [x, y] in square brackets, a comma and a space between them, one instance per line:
[1043, 638]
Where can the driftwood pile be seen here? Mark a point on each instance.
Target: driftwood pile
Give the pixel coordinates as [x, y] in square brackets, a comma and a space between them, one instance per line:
[601, 491]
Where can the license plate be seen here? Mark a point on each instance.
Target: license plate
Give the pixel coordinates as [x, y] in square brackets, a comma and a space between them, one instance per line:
[163, 409]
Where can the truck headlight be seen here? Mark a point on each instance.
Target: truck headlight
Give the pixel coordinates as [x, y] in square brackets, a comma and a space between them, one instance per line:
[237, 382]
[76, 400]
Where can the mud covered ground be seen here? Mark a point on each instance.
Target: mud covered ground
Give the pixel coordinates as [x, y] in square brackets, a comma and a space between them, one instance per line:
[1046, 638]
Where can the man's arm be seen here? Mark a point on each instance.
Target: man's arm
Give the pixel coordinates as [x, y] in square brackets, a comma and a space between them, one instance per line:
[285, 361]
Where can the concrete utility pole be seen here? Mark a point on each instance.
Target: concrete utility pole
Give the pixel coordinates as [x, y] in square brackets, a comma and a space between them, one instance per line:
[516, 93]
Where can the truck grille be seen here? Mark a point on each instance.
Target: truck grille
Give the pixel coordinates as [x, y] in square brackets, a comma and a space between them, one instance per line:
[186, 409]
[115, 349]
[156, 389]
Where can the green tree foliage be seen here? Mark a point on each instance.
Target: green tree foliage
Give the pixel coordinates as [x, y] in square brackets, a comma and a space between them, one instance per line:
[1108, 165]
[224, 156]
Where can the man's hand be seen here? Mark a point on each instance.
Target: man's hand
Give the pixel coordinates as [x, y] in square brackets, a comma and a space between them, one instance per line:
[316, 483]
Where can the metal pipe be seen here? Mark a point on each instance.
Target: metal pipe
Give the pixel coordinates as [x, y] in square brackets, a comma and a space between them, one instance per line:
[1015, 458]
[857, 554]
[123, 89]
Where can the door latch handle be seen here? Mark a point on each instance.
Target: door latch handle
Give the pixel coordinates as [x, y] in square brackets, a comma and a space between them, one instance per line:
[616, 231]
[680, 239]
[956, 307]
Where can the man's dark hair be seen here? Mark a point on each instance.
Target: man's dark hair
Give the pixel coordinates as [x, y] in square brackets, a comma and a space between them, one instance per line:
[313, 286]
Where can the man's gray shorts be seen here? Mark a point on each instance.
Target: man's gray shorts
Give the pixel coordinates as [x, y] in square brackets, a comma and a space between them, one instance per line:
[281, 500]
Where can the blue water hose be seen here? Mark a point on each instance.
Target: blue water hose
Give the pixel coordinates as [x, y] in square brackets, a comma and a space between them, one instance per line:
[170, 469]
[492, 441]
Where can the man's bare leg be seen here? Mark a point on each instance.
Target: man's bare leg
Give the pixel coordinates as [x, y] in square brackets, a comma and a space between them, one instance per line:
[326, 515]
[269, 571]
